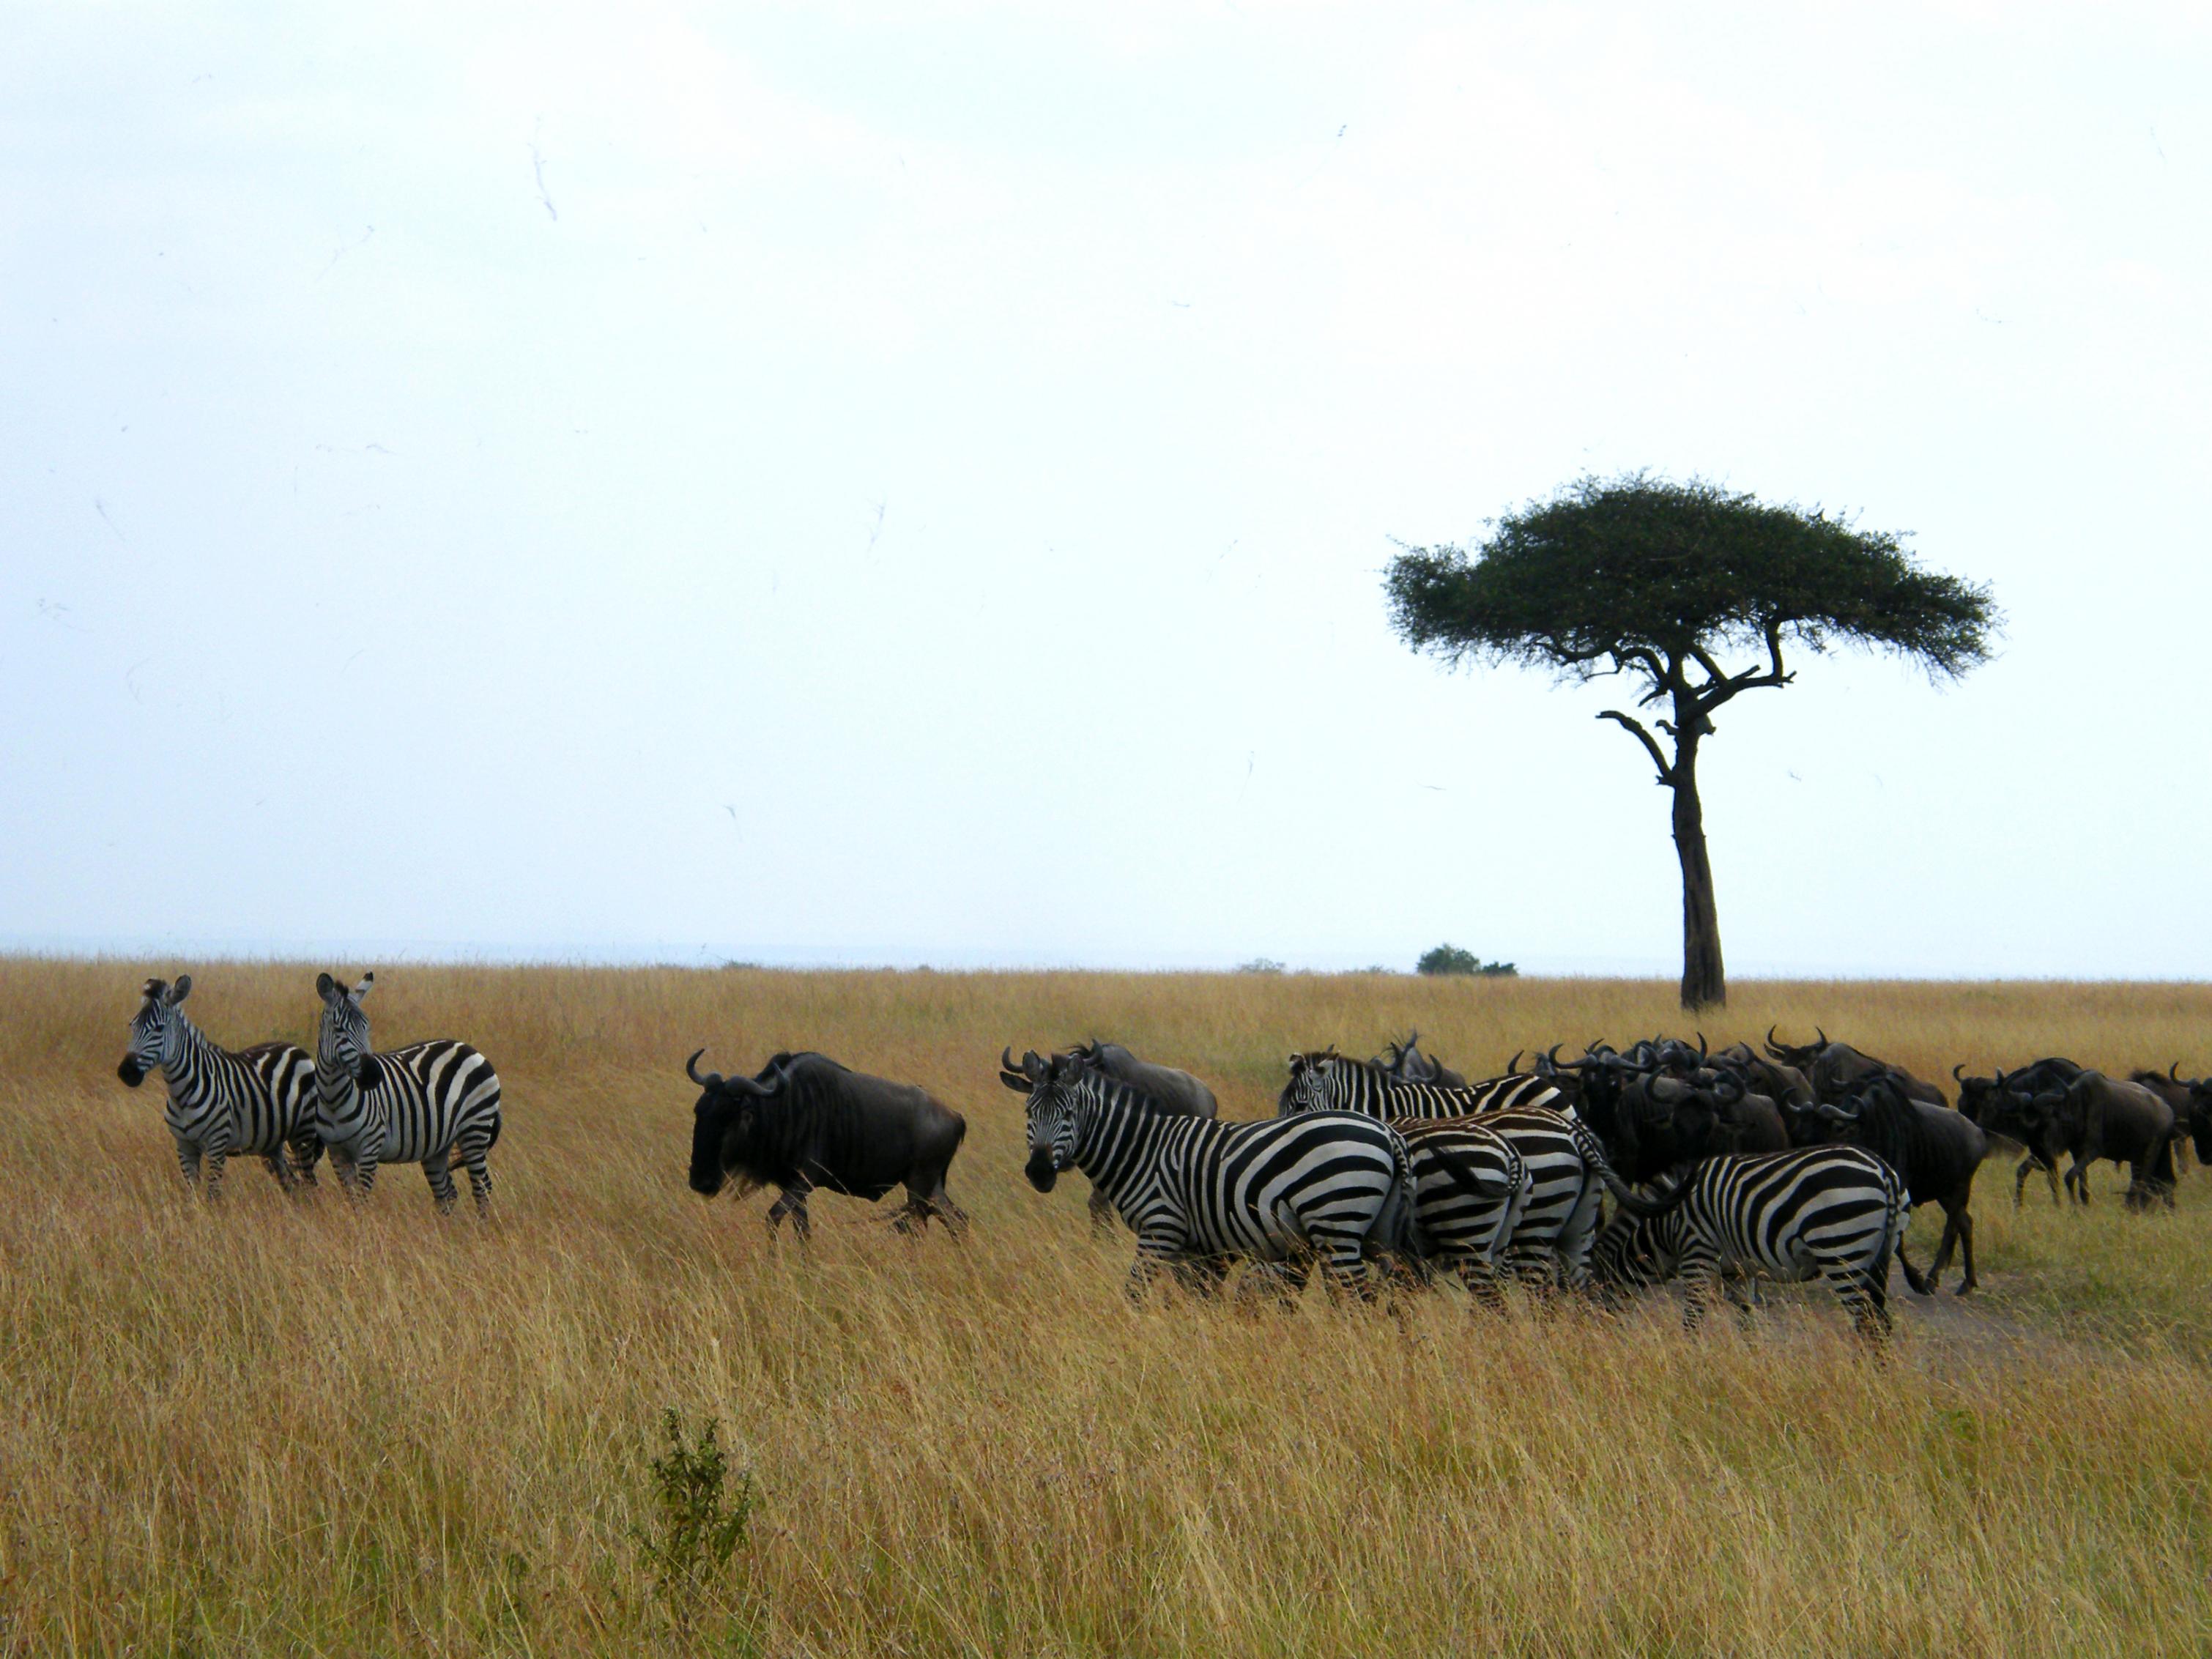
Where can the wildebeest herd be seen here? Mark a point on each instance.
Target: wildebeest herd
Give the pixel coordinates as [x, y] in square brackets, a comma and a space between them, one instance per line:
[1600, 1174]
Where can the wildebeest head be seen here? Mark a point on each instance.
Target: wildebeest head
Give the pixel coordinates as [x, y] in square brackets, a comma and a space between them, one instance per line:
[1056, 1089]
[725, 1124]
[2200, 1117]
[342, 1040]
[1308, 1091]
[1792, 1054]
[1979, 1097]
[157, 1033]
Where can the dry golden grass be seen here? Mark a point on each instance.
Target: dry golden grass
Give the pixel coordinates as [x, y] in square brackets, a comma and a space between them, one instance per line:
[285, 1428]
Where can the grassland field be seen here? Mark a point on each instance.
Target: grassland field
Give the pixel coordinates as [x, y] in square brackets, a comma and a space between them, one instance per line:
[276, 1426]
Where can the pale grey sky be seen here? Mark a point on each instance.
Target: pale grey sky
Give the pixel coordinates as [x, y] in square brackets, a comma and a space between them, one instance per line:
[831, 484]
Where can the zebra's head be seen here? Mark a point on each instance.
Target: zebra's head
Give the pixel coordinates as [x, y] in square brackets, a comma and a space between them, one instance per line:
[1312, 1084]
[157, 1034]
[1057, 1090]
[342, 1043]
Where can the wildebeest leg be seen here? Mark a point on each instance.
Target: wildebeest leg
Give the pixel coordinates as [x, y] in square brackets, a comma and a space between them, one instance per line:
[2077, 1179]
[923, 1202]
[1959, 1229]
[792, 1201]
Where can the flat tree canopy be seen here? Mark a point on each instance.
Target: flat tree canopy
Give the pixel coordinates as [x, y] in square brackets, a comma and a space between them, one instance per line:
[1658, 581]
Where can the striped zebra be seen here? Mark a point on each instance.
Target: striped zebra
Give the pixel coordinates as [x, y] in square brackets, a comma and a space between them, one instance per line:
[1470, 1186]
[1199, 1194]
[1836, 1213]
[1568, 1173]
[1325, 1081]
[420, 1104]
[258, 1100]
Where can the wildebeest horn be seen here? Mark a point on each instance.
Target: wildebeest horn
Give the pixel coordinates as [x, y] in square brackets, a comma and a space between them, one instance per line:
[1836, 1114]
[1822, 1034]
[1514, 1064]
[2173, 1072]
[1701, 1045]
[712, 1080]
[1959, 1073]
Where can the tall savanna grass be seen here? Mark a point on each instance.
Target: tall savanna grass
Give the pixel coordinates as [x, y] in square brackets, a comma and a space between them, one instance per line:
[271, 1426]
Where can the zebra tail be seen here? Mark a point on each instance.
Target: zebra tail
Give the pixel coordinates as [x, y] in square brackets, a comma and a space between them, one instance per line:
[1393, 1228]
[1626, 1196]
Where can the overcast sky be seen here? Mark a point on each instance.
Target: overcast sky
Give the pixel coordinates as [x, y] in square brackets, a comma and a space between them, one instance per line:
[826, 484]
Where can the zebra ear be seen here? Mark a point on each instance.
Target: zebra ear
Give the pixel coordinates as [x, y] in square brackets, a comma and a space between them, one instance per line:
[367, 984]
[324, 986]
[181, 990]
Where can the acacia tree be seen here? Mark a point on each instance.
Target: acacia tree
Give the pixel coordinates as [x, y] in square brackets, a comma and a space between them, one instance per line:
[1659, 581]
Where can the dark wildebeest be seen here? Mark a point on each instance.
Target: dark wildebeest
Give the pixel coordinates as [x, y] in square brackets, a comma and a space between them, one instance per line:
[1406, 1061]
[2096, 1117]
[1995, 1103]
[1935, 1149]
[1786, 1085]
[805, 1122]
[2191, 1103]
[1177, 1093]
[1833, 1068]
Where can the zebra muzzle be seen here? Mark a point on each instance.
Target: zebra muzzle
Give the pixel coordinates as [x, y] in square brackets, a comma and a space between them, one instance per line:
[1041, 1171]
[131, 1071]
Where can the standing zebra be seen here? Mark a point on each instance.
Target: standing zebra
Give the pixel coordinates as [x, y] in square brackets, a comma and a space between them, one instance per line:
[1325, 1081]
[1832, 1212]
[1567, 1168]
[1470, 1185]
[1199, 1194]
[419, 1104]
[257, 1100]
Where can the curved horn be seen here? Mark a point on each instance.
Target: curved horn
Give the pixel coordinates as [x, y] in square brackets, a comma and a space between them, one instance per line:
[1959, 1073]
[1514, 1064]
[1820, 1033]
[1701, 1045]
[1006, 1058]
[2173, 1072]
[712, 1080]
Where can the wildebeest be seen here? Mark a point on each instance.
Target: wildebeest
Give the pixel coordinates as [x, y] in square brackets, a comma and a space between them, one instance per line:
[2192, 1101]
[805, 1122]
[1175, 1092]
[2096, 1117]
[1784, 1084]
[1933, 1148]
[1405, 1060]
[1995, 1103]
[1833, 1067]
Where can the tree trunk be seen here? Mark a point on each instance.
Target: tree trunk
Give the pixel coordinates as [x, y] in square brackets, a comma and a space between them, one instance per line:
[1705, 984]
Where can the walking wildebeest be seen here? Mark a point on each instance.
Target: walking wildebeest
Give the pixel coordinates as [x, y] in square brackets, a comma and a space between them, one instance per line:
[1995, 1103]
[2096, 1117]
[805, 1122]
[2192, 1106]
[1935, 1149]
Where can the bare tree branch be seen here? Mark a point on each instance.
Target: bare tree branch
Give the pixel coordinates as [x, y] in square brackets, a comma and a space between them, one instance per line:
[1650, 743]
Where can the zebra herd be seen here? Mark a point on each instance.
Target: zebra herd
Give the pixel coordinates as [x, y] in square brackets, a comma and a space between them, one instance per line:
[425, 1103]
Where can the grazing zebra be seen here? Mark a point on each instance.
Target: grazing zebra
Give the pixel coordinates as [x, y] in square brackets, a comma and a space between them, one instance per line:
[1470, 1185]
[419, 1104]
[1326, 1081]
[256, 1101]
[1833, 1212]
[1199, 1194]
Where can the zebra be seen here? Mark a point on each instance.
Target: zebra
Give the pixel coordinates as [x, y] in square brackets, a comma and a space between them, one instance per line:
[1833, 1212]
[1568, 1170]
[1325, 1081]
[419, 1104]
[1470, 1186]
[257, 1100]
[1199, 1192]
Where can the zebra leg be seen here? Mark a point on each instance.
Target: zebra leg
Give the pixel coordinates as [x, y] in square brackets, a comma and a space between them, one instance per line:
[1480, 1277]
[437, 1168]
[279, 1168]
[1866, 1300]
[1701, 1277]
[188, 1162]
[211, 1185]
[474, 1150]
[307, 1149]
[1102, 1212]
[364, 1175]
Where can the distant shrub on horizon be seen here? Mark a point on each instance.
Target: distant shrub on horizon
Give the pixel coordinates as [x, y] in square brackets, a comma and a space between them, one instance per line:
[1260, 965]
[1450, 959]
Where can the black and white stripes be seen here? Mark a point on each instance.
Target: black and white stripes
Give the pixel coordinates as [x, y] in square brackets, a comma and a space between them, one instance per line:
[259, 1101]
[1199, 1194]
[1330, 1082]
[425, 1103]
